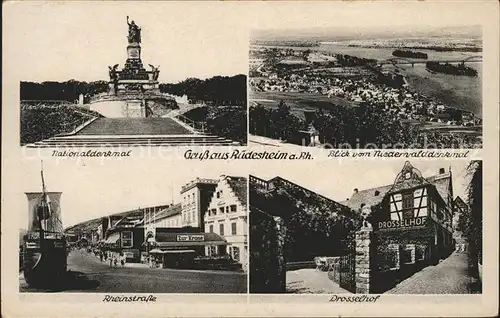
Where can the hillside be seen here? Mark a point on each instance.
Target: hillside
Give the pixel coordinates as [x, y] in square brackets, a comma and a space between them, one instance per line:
[94, 223]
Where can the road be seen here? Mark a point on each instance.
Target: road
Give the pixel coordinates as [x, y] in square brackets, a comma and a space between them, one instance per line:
[86, 273]
[448, 277]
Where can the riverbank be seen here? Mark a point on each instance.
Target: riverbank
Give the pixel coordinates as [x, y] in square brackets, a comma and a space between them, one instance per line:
[458, 92]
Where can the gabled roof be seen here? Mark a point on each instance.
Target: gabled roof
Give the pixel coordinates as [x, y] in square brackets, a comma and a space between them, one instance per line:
[368, 197]
[460, 203]
[239, 187]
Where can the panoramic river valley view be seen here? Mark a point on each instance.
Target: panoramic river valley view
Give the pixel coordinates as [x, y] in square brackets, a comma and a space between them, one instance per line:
[336, 88]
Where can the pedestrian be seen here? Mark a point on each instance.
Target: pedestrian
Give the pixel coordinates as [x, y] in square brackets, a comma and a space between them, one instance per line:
[115, 260]
[100, 255]
[122, 259]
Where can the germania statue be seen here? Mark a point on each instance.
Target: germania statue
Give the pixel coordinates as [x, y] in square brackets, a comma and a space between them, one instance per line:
[134, 32]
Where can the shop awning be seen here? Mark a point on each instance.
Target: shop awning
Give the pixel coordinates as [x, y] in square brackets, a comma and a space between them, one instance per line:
[112, 239]
[158, 251]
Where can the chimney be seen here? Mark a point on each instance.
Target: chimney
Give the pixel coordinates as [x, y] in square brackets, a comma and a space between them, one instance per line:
[441, 170]
[355, 190]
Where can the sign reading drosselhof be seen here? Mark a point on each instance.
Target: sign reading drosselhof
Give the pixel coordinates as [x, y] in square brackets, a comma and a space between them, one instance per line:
[406, 223]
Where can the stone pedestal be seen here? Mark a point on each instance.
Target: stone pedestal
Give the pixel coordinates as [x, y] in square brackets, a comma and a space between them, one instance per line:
[365, 253]
[134, 51]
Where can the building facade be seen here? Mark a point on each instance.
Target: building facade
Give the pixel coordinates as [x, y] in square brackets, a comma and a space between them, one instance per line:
[196, 196]
[226, 215]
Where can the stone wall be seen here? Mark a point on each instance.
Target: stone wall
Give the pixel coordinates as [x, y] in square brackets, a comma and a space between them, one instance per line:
[365, 267]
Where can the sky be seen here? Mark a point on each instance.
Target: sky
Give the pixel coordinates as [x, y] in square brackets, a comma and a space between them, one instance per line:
[79, 40]
[91, 188]
[338, 179]
[64, 40]
[94, 188]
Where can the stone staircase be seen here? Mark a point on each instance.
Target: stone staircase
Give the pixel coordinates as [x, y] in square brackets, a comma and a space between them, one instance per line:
[131, 141]
[132, 132]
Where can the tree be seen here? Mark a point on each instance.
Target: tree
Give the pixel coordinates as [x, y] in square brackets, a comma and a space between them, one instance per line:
[474, 219]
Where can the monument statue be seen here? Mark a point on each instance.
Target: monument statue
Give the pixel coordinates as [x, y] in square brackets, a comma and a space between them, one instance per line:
[134, 32]
[113, 73]
[155, 71]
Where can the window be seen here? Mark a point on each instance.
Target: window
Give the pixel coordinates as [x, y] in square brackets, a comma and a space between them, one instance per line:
[214, 212]
[221, 229]
[218, 194]
[233, 208]
[227, 209]
[221, 210]
[212, 251]
[127, 239]
[233, 228]
[236, 253]
[211, 229]
[408, 206]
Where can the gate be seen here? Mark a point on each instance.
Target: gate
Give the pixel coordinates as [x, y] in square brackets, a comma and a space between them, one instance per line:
[347, 271]
[347, 266]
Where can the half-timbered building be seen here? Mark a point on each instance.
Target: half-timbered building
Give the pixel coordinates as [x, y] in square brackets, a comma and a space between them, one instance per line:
[412, 218]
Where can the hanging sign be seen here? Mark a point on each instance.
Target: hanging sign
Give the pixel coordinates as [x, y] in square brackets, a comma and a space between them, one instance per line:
[190, 238]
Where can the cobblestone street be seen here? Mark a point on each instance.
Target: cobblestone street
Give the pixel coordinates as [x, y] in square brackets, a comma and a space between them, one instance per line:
[448, 277]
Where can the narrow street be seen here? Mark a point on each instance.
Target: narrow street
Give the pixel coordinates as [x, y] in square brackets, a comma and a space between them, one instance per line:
[448, 277]
[86, 273]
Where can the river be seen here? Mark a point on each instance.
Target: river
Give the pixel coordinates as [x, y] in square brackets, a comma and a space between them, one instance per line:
[461, 92]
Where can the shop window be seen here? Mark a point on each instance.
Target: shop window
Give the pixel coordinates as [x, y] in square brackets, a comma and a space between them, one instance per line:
[127, 239]
[390, 259]
[419, 253]
[233, 228]
[236, 253]
[406, 256]
[212, 251]
[221, 229]
[233, 208]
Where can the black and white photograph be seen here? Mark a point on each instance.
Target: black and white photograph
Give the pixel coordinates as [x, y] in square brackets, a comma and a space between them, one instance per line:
[111, 229]
[403, 228]
[366, 86]
[130, 79]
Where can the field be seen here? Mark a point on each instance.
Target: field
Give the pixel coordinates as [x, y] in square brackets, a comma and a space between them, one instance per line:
[299, 102]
